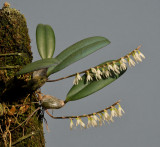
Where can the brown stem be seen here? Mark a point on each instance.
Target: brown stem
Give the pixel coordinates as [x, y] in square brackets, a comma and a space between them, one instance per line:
[85, 115]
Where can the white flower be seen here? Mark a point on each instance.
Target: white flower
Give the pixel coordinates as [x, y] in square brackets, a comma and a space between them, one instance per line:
[115, 68]
[93, 121]
[120, 110]
[71, 124]
[101, 121]
[109, 66]
[106, 116]
[95, 117]
[113, 112]
[111, 119]
[98, 77]
[78, 121]
[141, 55]
[130, 61]
[97, 73]
[89, 77]
[123, 60]
[122, 64]
[93, 70]
[82, 124]
[77, 78]
[136, 56]
[89, 122]
[107, 73]
[103, 71]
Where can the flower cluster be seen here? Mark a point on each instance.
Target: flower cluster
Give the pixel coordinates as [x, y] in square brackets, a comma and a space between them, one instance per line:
[98, 118]
[115, 67]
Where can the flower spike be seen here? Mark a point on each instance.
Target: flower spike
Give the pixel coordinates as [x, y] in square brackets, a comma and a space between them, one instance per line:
[94, 119]
[111, 66]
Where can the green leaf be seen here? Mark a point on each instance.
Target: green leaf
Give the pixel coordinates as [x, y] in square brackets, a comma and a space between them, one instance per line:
[78, 51]
[40, 64]
[84, 89]
[45, 41]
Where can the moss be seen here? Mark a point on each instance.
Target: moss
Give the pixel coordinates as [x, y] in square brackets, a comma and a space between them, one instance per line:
[14, 38]
[33, 125]
[15, 52]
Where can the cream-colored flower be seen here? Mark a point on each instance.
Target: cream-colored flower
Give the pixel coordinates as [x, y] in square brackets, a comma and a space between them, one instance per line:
[93, 70]
[111, 119]
[122, 64]
[98, 77]
[106, 116]
[130, 61]
[89, 77]
[82, 124]
[120, 110]
[78, 121]
[77, 79]
[109, 66]
[106, 73]
[95, 117]
[141, 55]
[123, 60]
[71, 124]
[103, 71]
[115, 68]
[113, 112]
[97, 73]
[101, 121]
[89, 122]
[136, 56]
[93, 122]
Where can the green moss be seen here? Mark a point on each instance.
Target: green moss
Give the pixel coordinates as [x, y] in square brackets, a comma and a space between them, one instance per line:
[14, 38]
[34, 125]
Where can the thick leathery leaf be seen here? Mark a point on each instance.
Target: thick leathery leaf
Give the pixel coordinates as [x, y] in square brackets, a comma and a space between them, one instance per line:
[78, 51]
[45, 41]
[40, 64]
[84, 89]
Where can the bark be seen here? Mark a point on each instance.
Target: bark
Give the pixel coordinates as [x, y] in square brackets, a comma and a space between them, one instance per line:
[17, 94]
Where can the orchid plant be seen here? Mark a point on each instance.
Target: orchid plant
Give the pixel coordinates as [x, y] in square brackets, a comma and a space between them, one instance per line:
[86, 82]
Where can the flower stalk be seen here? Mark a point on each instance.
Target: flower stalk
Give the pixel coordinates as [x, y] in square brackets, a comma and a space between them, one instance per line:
[106, 69]
[94, 119]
